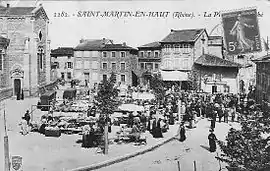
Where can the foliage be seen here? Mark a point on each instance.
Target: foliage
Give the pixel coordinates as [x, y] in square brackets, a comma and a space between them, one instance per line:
[248, 146]
[193, 80]
[106, 99]
[157, 85]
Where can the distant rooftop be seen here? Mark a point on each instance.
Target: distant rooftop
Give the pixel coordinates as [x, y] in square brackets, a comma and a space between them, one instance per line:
[62, 51]
[214, 61]
[151, 45]
[186, 35]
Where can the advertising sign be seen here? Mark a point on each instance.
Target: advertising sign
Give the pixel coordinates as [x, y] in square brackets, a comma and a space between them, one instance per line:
[16, 163]
[241, 32]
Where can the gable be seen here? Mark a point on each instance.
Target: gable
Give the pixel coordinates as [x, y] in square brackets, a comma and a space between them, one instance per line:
[40, 13]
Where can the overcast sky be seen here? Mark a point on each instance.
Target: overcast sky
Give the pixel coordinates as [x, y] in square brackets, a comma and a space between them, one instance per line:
[136, 31]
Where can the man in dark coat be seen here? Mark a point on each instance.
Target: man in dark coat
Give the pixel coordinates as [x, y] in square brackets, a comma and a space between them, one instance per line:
[158, 130]
[212, 141]
[182, 133]
[154, 129]
[27, 117]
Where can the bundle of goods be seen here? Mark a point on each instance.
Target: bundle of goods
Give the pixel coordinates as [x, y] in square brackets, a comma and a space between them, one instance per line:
[52, 131]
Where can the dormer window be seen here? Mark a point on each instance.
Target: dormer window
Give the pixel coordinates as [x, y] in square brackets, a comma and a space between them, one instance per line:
[149, 53]
[141, 54]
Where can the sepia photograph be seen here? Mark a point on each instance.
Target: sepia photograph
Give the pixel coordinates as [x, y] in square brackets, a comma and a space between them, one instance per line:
[133, 85]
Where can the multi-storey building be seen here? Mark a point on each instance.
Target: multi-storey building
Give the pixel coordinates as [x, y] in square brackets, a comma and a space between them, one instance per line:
[95, 60]
[179, 51]
[149, 59]
[5, 86]
[62, 60]
[192, 55]
[262, 79]
[29, 47]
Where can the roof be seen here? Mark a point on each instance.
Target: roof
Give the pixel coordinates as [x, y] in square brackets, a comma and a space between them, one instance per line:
[214, 61]
[4, 11]
[265, 58]
[151, 45]
[63, 51]
[214, 37]
[187, 35]
[101, 44]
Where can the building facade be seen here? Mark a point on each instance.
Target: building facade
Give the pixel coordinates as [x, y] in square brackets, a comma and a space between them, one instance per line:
[5, 86]
[62, 60]
[262, 79]
[29, 47]
[95, 60]
[149, 60]
[179, 51]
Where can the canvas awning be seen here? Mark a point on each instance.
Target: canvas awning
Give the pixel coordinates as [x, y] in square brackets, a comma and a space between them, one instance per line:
[174, 76]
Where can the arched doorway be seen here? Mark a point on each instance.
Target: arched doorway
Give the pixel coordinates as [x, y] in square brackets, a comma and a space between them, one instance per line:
[17, 86]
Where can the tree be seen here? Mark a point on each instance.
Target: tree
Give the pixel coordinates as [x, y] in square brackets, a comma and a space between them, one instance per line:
[193, 80]
[157, 85]
[248, 147]
[106, 102]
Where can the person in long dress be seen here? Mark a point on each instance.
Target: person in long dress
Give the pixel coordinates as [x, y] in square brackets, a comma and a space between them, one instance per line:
[238, 30]
[154, 129]
[182, 133]
[158, 129]
[212, 141]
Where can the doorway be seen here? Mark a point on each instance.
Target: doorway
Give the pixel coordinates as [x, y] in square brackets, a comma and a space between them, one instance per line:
[214, 89]
[17, 86]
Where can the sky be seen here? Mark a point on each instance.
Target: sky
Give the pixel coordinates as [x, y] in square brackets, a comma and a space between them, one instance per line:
[136, 31]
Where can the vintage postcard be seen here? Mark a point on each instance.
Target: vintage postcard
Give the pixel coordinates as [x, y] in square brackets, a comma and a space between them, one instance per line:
[134, 85]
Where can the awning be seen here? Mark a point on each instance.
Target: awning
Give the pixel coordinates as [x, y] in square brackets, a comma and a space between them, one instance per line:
[174, 76]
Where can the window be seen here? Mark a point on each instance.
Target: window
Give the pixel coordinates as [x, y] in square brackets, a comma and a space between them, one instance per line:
[149, 66]
[86, 64]
[177, 48]
[94, 65]
[69, 65]
[123, 78]
[78, 64]
[186, 48]
[156, 54]
[1, 61]
[113, 54]
[104, 54]
[94, 76]
[149, 53]
[113, 66]
[156, 66]
[142, 65]
[104, 77]
[69, 75]
[86, 54]
[123, 54]
[69, 57]
[141, 54]
[123, 66]
[40, 58]
[62, 75]
[167, 48]
[104, 65]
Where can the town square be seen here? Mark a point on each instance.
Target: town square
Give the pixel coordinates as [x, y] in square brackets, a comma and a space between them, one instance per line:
[132, 85]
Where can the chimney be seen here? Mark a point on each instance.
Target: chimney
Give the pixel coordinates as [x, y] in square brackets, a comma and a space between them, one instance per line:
[124, 44]
[82, 40]
[8, 5]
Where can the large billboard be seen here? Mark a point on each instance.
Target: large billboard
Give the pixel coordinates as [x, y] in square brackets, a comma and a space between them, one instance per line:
[241, 32]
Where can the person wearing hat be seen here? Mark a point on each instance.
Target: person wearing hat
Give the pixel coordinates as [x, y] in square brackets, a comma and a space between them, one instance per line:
[212, 141]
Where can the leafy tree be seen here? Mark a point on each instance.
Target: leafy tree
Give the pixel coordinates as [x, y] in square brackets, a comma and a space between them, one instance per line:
[248, 148]
[157, 85]
[106, 99]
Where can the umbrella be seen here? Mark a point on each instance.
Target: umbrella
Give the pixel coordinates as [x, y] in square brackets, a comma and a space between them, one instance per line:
[131, 107]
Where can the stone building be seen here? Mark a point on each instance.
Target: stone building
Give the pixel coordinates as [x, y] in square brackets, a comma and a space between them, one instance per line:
[95, 60]
[149, 59]
[62, 60]
[262, 79]
[179, 51]
[216, 75]
[5, 86]
[29, 47]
